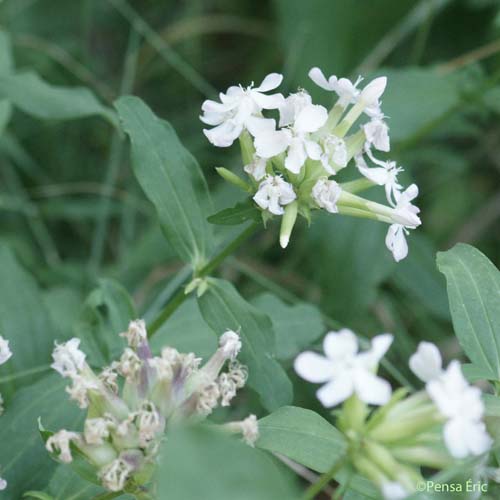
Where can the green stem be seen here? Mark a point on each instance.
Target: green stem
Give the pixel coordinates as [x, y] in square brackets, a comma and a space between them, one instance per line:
[214, 263]
[318, 486]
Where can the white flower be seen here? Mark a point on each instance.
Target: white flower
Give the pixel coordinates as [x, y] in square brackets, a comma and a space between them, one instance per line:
[406, 213]
[78, 391]
[343, 87]
[377, 134]
[60, 443]
[5, 352]
[257, 169]
[149, 423]
[394, 491]
[240, 108]
[136, 333]
[326, 194]
[386, 174]
[292, 106]
[230, 344]
[250, 429]
[97, 429]
[273, 194]
[3, 484]
[115, 474]
[68, 359]
[334, 151]
[345, 371]
[426, 362]
[460, 403]
[295, 139]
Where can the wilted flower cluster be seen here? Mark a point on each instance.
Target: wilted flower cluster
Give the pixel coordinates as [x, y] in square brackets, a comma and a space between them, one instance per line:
[5, 354]
[133, 401]
[390, 445]
[291, 164]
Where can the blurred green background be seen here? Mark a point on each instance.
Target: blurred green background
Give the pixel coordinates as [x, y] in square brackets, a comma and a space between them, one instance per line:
[73, 212]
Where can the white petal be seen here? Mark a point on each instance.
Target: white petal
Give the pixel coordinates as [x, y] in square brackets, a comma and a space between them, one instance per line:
[395, 241]
[336, 391]
[313, 367]
[311, 118]
[371, 389]
[313, 150]
[317, 76]
[257, 125]
[270, 82]
[394, 491]
[454, 434]
[479, 439]
[209, 106]
[374, 90]
[274, 101]
[379, 346]
[341, 344]
[426, 363]
[271, 144]
[296, 156]
[224, 134]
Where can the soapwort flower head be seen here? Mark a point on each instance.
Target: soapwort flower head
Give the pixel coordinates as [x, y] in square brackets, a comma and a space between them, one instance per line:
[393, 444]
[290, 163]
[131, 402]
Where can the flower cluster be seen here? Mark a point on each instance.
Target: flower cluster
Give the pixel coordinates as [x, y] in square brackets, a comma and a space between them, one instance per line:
[131, 403]
[291, 163]
[429, 428]
[5, 354]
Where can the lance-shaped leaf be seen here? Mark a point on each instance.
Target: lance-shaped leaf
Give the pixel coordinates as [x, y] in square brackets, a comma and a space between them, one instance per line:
[28, 92]
[6, 65]
[170, 178]
[223, 308]
[223, 466]
[106, 313]
[308, 439]
[25, 322]
[240, 213]
[474, 295]
[25, 463]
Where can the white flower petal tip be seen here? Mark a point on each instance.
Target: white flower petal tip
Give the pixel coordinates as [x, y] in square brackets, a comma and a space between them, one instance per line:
[426, 362]
[394, 491]
[230, 343]
[3, 484]
[318, 77]
[68, 359]
[5, 352]
[284, 240]
[374, 90]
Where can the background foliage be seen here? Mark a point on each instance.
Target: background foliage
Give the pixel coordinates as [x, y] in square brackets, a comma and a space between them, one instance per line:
[76, 227]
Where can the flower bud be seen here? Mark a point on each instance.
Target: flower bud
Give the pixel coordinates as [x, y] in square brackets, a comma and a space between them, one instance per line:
[374, 90]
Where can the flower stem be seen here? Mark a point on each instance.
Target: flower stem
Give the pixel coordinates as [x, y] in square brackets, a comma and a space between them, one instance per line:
[318, 486]
[179, 298]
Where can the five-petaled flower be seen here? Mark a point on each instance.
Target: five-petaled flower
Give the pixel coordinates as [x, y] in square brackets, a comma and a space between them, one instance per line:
[346, 371]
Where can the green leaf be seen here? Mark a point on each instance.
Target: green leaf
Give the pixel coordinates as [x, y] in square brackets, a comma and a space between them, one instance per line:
[167, 173]
[6, 65]
[106, 313]
[474, 295]
[349, 262]
[28, 92]
[432, 96]
[40, 495]
[418, 276]
[25, 322]
[308, 439]
[238, 214]
[187, 331]
[303, 436]
[26, 465]
[223, 466]
[296, 327]
[223, 308]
